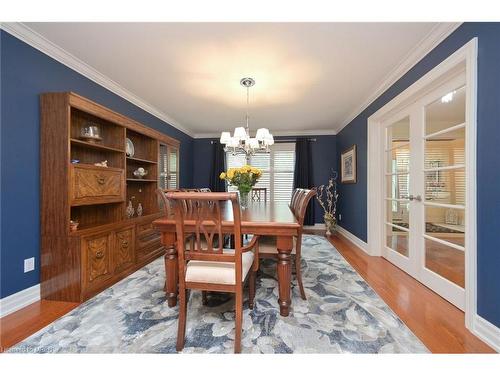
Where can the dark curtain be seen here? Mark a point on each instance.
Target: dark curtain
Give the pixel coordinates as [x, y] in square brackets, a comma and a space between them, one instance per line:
[303, 177]
[218, 166]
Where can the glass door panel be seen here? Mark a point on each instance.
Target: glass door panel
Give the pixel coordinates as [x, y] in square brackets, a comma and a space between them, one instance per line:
[446, 261]
[445, 112]
[397, 240]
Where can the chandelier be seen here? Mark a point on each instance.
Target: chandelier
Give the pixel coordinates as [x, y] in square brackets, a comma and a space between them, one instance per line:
[241, 142]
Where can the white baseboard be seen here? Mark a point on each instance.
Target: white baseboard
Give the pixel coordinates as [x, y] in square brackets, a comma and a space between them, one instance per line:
[19, 300]
[351, 237]
[487, 332]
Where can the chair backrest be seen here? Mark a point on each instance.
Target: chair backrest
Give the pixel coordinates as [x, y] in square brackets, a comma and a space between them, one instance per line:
[259, 194]
[163, 202]
[302, 201]
[205, 220]
[293, 201]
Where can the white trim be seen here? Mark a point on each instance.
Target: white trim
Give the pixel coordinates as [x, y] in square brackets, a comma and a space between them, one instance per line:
[34, 39]
[439, 33]
[279, 133]
[19, 300]
[434, 78]
[487, 332]
[351, 237]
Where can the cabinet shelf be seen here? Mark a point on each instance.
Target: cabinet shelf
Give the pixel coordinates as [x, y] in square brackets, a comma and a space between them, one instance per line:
[141, 160]
[96, 146]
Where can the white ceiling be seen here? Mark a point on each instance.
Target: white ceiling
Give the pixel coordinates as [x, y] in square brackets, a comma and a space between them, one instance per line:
[310, 77]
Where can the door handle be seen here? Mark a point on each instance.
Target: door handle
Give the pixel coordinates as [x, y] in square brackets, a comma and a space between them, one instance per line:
[417, 198]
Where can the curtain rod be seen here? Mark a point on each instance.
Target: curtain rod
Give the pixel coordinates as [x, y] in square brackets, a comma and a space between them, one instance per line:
[282, 140]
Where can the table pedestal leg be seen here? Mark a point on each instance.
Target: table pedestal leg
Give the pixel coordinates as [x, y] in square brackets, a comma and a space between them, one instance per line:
[171, 270]
[284, 268]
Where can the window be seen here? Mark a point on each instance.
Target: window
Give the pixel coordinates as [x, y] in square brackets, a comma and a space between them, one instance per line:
[169, 174]
[277, 170]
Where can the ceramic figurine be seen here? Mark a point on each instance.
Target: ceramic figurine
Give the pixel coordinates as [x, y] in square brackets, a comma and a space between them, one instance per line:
[103, 163]
[130, 210]
[139, 210]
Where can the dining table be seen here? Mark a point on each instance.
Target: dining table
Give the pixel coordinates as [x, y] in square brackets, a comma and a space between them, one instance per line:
[259, 218]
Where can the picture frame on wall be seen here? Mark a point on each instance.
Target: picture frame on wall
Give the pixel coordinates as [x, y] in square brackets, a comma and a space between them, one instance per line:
[348, 166]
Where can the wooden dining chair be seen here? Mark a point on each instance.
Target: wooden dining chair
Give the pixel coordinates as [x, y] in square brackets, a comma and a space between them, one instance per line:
[211, 267]
[267, 244]
[259, 194]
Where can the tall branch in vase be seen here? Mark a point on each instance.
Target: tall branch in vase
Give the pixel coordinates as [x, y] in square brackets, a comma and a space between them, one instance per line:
[327, 198]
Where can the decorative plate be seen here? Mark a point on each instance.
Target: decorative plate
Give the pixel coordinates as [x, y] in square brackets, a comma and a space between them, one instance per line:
[129, 147]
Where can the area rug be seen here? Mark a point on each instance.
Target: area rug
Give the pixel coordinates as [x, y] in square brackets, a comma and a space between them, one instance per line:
[341, 315]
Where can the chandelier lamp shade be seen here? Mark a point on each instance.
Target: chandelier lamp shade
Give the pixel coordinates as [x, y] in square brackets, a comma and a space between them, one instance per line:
[241, 141]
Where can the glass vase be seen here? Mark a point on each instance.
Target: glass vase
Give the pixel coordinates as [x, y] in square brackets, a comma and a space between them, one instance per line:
[243, 199]
[330, 224]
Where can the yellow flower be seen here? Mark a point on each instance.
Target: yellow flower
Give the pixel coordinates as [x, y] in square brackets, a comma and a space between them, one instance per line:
[230, 173]
[222, 176]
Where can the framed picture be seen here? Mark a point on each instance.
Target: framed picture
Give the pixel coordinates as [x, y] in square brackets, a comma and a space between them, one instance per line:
[348, 166]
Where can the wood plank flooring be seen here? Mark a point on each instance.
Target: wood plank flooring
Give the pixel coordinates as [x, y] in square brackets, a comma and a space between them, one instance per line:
[435, 321]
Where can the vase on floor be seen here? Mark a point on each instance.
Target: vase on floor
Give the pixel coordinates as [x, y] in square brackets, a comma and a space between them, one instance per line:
[330, 223]
[243, 199]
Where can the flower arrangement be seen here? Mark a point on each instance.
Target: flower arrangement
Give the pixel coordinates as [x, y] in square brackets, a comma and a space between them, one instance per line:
[327, 198]
[243, 178]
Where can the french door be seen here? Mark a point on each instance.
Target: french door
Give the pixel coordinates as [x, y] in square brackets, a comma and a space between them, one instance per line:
[425, 189]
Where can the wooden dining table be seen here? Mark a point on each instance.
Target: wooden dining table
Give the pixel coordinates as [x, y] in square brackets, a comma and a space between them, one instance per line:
[260, 218]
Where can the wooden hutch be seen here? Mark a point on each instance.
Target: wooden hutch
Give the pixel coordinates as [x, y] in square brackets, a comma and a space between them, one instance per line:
[106, 246]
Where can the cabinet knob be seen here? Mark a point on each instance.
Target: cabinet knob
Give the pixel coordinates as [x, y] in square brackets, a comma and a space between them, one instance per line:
[100, 180]
[99, 255]
[125, 244]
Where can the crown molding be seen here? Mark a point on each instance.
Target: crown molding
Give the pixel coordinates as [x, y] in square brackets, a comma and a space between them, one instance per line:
[35, 40]
[283, 133]
[438, 33]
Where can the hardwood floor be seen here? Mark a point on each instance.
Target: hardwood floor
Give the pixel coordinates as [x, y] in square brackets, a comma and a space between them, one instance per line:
[23, 323]
[435, 321]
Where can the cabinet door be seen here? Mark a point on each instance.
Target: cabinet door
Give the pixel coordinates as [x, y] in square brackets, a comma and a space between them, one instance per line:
[90, 185]
[97, 266]
[123, 251]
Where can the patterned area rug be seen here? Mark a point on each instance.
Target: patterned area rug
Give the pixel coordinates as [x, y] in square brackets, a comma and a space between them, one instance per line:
[341, 315]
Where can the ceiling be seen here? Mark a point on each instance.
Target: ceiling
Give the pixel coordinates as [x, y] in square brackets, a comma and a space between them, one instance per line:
[310, 77]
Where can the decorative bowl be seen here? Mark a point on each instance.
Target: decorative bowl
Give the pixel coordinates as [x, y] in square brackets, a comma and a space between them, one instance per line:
[91, 132]
[140, 172]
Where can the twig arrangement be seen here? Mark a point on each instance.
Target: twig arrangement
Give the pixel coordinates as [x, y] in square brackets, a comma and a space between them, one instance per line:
[327, 197]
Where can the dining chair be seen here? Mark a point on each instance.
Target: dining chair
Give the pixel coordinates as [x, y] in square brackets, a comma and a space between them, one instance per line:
[259, 194]
[267, 244]
[208, 266]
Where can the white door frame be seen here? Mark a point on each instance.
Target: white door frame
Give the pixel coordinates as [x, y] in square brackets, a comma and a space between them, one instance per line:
[375, 161]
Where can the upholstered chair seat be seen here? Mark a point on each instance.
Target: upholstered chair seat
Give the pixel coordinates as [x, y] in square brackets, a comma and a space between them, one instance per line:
[200, 271]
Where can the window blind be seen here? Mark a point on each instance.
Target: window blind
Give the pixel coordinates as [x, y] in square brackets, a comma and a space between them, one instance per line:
[168, 178]
[277, 170]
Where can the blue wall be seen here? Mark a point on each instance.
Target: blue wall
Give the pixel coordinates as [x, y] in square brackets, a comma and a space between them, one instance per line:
[26, 73]
[353, 197]
[324, 155]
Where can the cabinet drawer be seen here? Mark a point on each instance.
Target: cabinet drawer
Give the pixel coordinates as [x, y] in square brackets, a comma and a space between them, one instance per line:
[148, 240]
[90, 185]
[124, 249]
[145, 229]
[97, 267]
[149, 252]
